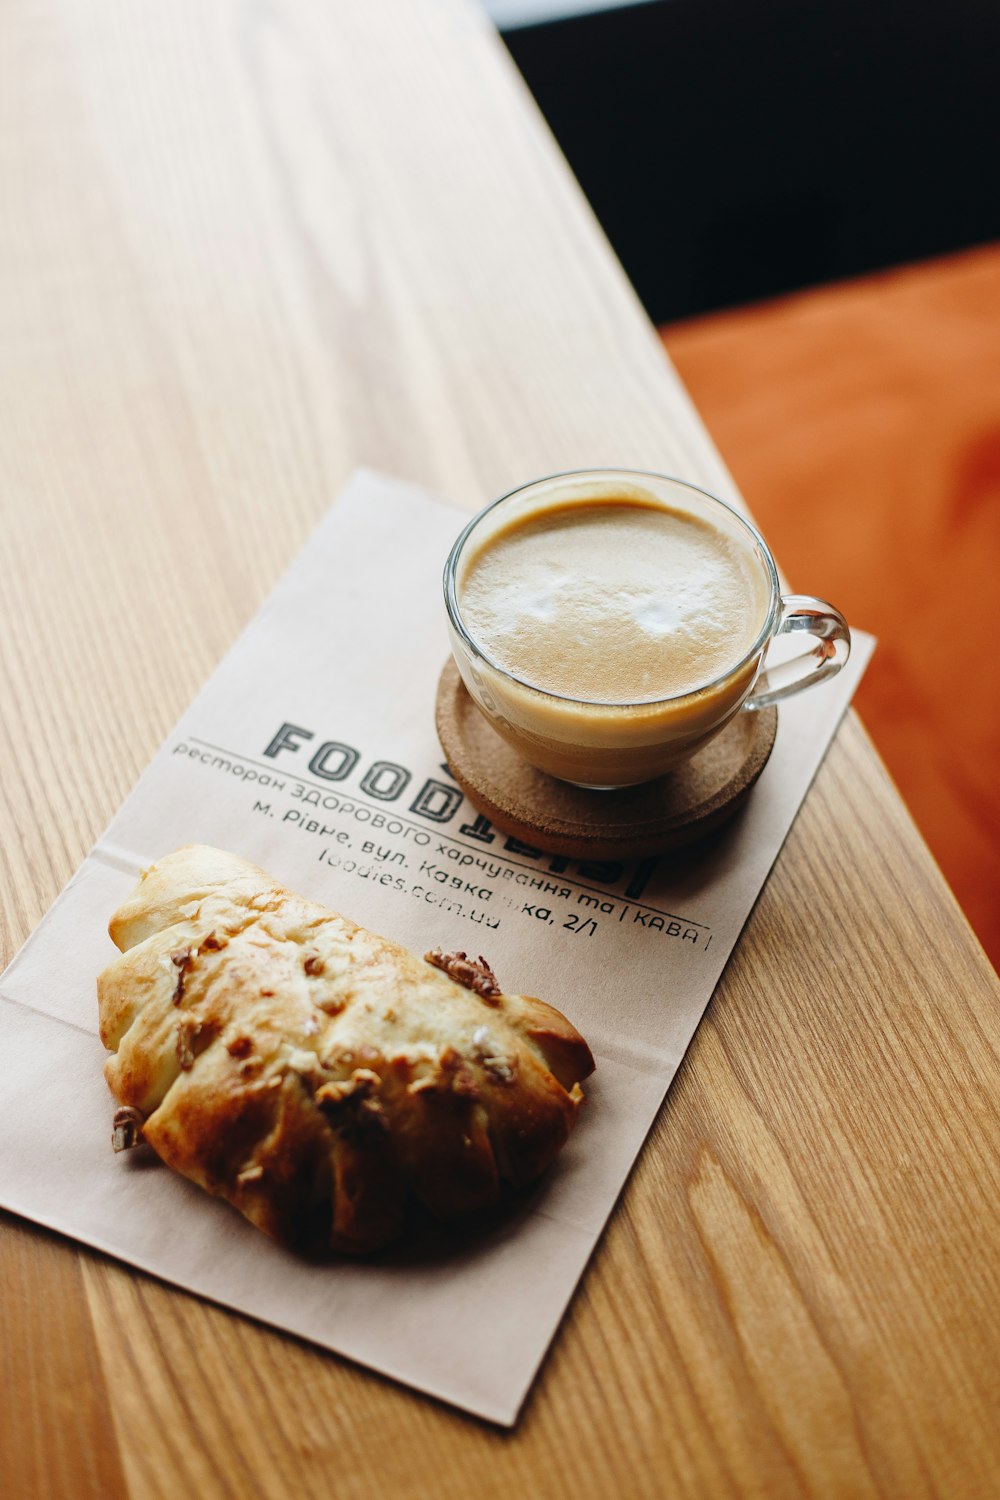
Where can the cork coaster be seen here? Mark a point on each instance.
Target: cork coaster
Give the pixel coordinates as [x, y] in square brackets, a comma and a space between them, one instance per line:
[629, 823]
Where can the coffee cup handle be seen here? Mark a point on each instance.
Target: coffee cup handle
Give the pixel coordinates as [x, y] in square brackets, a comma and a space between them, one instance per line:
[803, 613]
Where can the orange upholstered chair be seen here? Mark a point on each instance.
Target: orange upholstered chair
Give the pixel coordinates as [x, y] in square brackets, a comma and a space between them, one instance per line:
[862, 423]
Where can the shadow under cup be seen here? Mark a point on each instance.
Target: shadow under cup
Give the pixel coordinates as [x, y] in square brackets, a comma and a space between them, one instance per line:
[602, 742]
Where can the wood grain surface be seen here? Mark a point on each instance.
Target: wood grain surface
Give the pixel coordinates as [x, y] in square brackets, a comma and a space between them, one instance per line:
[245, 247]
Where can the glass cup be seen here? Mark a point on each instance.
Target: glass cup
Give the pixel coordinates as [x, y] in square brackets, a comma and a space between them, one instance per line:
[607, 741]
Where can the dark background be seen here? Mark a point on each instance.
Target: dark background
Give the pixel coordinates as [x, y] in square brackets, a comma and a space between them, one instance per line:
[735, 149]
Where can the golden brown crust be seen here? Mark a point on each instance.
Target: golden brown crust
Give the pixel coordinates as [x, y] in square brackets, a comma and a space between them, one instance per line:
[314, 1074]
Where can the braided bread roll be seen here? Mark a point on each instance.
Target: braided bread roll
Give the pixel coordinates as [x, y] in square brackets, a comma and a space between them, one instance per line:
[316, 1075]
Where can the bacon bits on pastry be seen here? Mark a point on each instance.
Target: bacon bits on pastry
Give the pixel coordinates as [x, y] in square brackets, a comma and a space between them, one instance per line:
[317, 1075]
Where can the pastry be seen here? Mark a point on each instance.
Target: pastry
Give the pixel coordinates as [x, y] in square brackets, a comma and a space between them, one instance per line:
[315, 1075]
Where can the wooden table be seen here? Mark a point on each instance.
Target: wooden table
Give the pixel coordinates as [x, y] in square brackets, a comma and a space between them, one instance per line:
[243, 248]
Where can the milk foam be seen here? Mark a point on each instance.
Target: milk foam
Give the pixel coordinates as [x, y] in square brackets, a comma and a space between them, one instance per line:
[614, 602]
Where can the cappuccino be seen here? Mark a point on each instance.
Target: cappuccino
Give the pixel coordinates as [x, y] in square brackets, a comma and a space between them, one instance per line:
[609, 623]
[613, 602]
[613, 630]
